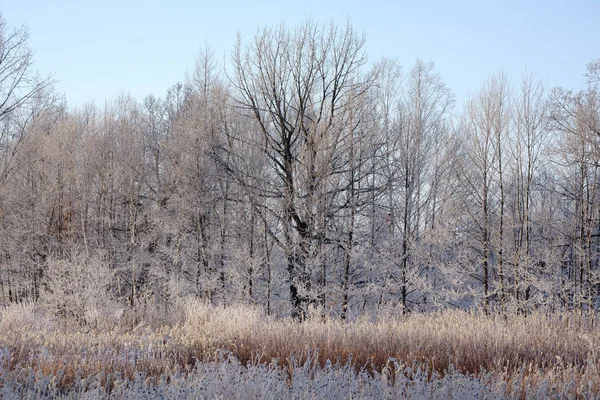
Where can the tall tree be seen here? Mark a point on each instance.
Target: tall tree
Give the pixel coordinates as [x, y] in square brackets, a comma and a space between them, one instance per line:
[483, 128]
[297, 84]
[422, 123]
[18, 81]
[528, 147]
[576, 117]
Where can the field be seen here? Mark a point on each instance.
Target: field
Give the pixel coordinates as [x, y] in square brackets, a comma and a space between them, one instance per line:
[201, 351]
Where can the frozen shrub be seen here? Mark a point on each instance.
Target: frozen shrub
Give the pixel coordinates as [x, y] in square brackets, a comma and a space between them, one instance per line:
[22, 315]
[229, 379]
[76, 288]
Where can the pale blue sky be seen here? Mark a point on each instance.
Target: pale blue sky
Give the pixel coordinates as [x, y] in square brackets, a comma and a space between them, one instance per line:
[97, 49]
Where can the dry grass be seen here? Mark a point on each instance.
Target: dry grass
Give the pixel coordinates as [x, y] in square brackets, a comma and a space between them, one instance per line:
[561, 349]
[538, 346]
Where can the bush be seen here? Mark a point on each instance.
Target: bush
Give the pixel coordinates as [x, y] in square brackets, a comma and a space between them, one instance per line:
[76, 288]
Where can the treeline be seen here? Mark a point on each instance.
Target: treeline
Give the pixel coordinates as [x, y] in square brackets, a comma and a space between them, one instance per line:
[301, 177]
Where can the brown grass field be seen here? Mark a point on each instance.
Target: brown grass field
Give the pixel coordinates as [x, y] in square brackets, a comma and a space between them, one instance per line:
[559, 349]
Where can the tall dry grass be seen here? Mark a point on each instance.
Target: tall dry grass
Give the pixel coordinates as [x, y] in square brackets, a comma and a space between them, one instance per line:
[559, 349]
[469, 342]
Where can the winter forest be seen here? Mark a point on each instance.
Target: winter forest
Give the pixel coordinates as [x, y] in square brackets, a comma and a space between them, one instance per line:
[298, 220]
[300, 177]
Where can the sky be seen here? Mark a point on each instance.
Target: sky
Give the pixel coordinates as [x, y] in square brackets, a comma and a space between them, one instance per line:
[97, 50]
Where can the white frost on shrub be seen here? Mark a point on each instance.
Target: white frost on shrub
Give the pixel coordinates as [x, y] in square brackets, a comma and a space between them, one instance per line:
[229, 379]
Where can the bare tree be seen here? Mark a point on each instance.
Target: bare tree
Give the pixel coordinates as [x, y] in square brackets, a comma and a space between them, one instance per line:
[593, 73]
[576, 117]
[419, 125]
[297, 85]
[18, 81]
[527, 149]
[483, 128]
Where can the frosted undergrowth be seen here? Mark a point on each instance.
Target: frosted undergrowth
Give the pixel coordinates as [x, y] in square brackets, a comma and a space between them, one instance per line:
[229, 379]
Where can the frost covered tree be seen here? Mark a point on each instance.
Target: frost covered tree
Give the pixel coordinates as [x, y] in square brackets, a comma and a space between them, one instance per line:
[299, 85]
[483, 129]
[420, 125]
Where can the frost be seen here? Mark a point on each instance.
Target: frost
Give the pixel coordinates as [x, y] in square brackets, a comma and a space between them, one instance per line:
[229, 379]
